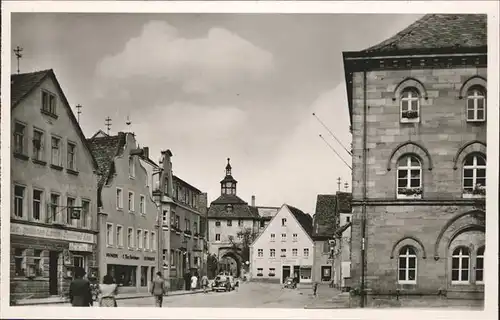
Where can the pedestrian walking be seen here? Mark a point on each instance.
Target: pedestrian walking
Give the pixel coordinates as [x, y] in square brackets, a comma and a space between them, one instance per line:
[194, 282]
[315, 288]
[158, 289]
[204, 283]
[108, 291]
[80, 294]
[237, 284]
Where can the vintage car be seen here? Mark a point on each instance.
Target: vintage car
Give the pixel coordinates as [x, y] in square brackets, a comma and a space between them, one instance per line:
[223, 283]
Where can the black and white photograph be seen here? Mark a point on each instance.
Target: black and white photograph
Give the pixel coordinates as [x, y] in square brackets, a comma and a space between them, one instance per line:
[241, 162]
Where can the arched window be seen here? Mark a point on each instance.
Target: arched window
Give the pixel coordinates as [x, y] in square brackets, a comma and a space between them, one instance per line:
[460, 265]
[409, 177]
[480, 264]
[410, 105]
[407, 265]
[476, 104]
[474, 177]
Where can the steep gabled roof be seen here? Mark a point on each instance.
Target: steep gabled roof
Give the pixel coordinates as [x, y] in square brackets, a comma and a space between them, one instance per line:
[303, 219]
[325, 216]
[229, 199]
[438, 31]
[21, 85]
[238, 211]
[105, 149]
[100, 134]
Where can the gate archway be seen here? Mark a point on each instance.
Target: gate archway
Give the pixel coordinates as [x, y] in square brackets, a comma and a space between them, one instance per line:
[231, 261]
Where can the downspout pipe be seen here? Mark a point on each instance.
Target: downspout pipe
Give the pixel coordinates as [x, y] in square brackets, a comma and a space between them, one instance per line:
[363, 214]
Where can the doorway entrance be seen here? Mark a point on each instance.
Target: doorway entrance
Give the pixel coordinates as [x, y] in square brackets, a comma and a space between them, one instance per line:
[296, 273]
[53, 280]
[326, 273]
[285, 272]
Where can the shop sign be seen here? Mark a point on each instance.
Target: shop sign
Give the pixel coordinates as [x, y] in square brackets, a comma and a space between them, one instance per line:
[111, 255]
[50, 233]
[75, 246]
[149, 258]
[130, 257]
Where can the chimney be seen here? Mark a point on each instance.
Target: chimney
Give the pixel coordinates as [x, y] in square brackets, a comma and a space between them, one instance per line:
[253, 201]
[145, 152]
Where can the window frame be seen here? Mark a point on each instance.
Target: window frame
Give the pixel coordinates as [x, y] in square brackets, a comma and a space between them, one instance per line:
[409, 100]
[110, 234]
[479, 256]
[51, 107]
[306, 252]
[22, 200]
[217, 240]
[468, 192]
[131, 167]
[69, 221]
[131, 201]
[54, 214]
[41, 203]
[53, 161]
[145, 237]
[74, 167]
[295, 237]
[38, 154]
[154, 242]
[407, 256]
[119, 235]
[408, 168]
[130, 238]
[295, 252]
[475, 98]
[260, 253]
[142, 204]
[139, 238]
[23, 264]
[272, 253]
[273, 237]
[460, 258]
[86, 217]
[119, 198]
[19, 137]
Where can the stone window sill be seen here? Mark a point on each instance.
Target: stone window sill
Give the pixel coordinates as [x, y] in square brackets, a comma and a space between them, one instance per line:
[413, 196]
[414, 120]
[71, 171]
[50, 114]
[56, 167]
[40, 162]
[473, 196]
[21, 156]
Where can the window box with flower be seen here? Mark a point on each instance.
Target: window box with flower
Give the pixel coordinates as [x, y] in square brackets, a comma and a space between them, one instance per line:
[479, 191]
[409, 193]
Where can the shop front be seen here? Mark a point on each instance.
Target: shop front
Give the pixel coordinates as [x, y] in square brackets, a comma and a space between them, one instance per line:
[43, 259]
[132, 271]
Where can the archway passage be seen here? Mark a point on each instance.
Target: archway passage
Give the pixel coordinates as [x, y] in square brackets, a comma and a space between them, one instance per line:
[230, 262]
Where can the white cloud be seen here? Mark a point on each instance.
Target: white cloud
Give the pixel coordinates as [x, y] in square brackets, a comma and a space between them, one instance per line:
[306, 166]
[219, 59]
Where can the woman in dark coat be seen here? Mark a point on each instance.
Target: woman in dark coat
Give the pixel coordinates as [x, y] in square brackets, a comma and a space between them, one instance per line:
[80, 294]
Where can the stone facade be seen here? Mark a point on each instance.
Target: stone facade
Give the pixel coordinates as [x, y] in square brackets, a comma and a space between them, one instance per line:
[441, 139]
[53, 172]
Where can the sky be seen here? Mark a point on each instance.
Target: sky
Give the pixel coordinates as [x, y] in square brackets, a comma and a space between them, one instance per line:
[214, 86]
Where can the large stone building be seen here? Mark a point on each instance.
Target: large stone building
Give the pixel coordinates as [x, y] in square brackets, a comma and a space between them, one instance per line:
[285, 248]
[128, 238]
[332, 238]
[233, 225]
[417, 104]
[54, 190]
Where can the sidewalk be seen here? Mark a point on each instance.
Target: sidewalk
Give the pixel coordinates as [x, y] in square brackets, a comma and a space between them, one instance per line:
[123, 296]
[327, 298]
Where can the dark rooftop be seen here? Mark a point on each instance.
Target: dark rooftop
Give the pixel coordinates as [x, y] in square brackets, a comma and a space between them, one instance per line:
[325, 219]
[438, 31]
[22, 84]
[105, 149]
[304, 219]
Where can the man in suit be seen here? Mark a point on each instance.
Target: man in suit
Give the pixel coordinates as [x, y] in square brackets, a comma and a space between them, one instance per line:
[158, 289]
[80, 294]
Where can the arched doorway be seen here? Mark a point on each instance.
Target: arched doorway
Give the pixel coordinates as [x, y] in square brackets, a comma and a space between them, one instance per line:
[230, 262]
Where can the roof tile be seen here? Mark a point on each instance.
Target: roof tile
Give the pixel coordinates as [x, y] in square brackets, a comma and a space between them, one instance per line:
[438, 31]
[22, 84]
[304, 219]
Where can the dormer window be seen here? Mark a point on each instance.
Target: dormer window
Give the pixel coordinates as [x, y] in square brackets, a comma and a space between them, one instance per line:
[229, 208]
[410, 105]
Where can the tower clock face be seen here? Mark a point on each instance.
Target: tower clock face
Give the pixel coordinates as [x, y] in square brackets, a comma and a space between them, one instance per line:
[229, 184]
